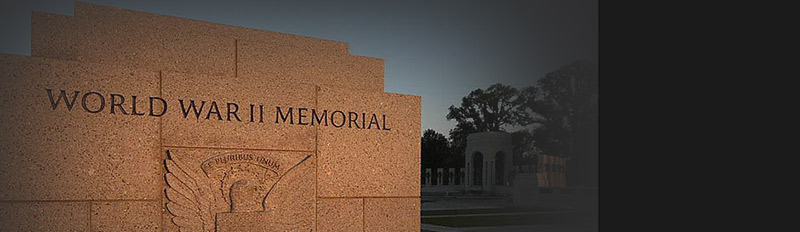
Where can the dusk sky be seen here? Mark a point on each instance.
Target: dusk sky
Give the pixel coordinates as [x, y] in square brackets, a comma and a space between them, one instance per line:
[440, 50]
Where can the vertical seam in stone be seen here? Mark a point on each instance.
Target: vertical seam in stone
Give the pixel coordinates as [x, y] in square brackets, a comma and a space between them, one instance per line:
[90, 216]
[363, 211]
[160, 121]
[316, 162]
[161, 149]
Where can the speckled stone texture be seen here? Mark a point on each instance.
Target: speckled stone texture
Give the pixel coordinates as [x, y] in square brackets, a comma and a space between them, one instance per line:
[340, 214]
[44, 216]
[291, 64]
[61, 154]
[117, 36]
[391, 214]
[125, 216]
[229, 169]
[230, 131]
[52, 35]
[373, 162]
[289, 191]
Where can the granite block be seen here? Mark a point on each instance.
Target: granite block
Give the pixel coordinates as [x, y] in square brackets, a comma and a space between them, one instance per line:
[340, 214]
[278, 62]
[53, 36]
[81, 156]
[51, 151]
[391, 214]
[159, 42]
[209, 188]
[44, 216]
[121, 216]
[258, 221]
[366, 159]
[235, 126]
[94, 12]
[147, 43]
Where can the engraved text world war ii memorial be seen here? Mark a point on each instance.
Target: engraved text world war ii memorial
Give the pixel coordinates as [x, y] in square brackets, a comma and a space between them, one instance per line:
[130, 121]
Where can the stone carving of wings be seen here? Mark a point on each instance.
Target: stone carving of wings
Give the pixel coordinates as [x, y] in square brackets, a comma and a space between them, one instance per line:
[189, 199]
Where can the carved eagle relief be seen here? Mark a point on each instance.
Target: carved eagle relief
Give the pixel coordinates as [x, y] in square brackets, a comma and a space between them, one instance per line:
[233, 182]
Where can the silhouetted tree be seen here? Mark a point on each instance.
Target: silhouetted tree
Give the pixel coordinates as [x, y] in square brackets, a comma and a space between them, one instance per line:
[458, 138]
[484, 110]
[564, 108]
[522, 144]
[561, 111]
[435, 150]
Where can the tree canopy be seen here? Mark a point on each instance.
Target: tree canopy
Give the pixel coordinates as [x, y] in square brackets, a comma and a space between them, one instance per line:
[560, 115]
[488, 110]
[436, 152]
[567, 101]
[484, 110]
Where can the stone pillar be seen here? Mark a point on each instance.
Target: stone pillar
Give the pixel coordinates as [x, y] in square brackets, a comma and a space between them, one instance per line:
[440, 176]
[489, 144]
[563, 173]
[462, 176]
[484, 184]
[428, 176]
[549, 168]
[452, 176]
[543, 170]
[467, 181]
[487, 185]
[540, 179]
[558, 172]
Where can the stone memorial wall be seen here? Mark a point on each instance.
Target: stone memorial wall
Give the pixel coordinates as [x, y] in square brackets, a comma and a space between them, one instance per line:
[130, 121]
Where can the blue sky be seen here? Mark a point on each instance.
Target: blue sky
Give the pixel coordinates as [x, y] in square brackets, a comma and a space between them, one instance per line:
[440, 50]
